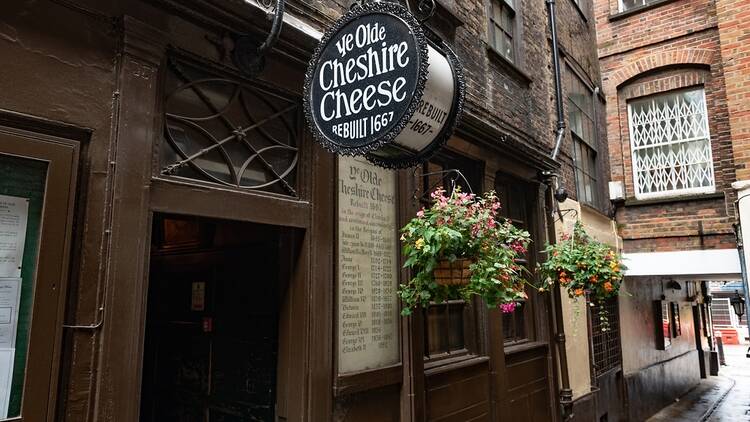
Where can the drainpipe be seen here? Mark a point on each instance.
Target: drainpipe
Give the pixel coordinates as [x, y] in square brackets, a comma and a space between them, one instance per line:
[558, 84]
[566, 394]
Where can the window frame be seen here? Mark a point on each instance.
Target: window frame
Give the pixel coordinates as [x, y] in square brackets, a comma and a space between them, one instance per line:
[472, 343]
[492, 26]
[591, 145]
[578, 166]
[531, 331]
[633, 150]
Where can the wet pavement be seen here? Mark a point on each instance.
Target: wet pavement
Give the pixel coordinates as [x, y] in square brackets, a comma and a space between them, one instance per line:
[735, 406]
[725, 398]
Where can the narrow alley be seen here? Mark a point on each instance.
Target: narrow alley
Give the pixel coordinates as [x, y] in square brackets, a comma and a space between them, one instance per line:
[725, 398]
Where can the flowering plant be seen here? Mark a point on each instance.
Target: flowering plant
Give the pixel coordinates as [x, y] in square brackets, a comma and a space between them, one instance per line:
[586, 268]
[463, 226]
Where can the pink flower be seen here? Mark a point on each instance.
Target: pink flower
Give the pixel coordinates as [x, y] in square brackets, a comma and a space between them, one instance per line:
[420, 213]
[518, 247]
[508, 308]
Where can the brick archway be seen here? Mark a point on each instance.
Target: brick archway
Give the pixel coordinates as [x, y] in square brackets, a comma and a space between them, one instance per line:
[662, 59]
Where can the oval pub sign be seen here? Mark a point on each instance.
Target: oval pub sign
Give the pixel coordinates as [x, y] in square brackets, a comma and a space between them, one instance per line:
[368, 87]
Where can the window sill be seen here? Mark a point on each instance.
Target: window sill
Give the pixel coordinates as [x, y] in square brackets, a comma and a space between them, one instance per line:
[594, 209]
[632, 202]
[511, 348]
[637, 10]
[447, 365]
[515, 70]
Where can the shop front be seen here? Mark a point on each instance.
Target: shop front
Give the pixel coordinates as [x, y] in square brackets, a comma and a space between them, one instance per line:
[222, 265]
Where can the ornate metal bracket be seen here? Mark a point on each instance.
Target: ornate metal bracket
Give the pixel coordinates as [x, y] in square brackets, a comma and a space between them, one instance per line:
[248, 54]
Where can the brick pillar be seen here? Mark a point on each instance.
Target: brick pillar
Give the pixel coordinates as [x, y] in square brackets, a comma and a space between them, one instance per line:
[734, 34]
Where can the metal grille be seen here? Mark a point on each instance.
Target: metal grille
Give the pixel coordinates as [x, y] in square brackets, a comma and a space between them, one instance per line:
[229, 131]
[671, 144]
[606, 344]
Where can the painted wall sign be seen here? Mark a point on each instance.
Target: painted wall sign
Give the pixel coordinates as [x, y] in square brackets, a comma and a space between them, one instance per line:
[368, 310]
[377, 87]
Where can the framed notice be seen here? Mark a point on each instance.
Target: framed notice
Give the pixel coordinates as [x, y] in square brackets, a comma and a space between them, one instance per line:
[368, 313]
[13, 216]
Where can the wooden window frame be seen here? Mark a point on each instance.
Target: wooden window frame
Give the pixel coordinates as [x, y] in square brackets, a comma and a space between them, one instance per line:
[42, 369]
[579, 143]
[529, 309]
[471, 325]
[513, 32]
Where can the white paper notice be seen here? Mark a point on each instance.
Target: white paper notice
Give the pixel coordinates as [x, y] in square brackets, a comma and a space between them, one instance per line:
[14, 212]
[10, 297]
[6, 378]
[368, 267]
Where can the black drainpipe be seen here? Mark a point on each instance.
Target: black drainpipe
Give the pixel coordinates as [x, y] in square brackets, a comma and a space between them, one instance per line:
[566, 394]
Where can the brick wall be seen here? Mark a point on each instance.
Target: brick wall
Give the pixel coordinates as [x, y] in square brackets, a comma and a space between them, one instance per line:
[734, 32]
[669, 46]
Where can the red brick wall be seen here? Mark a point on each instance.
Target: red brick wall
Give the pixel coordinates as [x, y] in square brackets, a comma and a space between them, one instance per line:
[670, 46]
[734, 32]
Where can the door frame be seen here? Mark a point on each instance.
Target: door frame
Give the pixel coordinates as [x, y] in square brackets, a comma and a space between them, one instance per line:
[40, 389]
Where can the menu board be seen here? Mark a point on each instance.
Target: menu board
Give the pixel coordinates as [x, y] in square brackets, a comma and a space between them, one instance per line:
[368, 313]
[13, 216]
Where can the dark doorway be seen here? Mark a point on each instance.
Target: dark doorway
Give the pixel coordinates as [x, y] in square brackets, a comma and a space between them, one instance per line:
[212, 330]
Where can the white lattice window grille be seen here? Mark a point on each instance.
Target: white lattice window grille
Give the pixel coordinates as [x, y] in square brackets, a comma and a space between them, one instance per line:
[626, 5]
[671, 146]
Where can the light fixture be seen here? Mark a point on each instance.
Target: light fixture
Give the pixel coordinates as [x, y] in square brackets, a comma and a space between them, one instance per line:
[738, 303]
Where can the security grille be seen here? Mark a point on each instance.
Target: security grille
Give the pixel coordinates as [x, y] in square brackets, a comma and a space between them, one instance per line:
[606, 344]
[671, 145]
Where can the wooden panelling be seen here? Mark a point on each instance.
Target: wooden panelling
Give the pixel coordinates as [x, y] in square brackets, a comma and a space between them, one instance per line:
[528, 386]
[459, 395]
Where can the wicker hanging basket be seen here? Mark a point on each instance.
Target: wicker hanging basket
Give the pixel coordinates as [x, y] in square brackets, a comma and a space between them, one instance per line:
[456, 273]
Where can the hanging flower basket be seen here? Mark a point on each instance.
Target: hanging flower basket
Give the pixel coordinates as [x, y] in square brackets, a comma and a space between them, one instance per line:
[458, 248]
[453, 273]
[586, 268]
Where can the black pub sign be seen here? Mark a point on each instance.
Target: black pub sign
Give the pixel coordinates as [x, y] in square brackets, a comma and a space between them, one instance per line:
[376, 86]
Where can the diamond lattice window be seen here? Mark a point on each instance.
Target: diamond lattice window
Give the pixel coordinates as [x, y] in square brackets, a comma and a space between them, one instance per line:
[671, 145]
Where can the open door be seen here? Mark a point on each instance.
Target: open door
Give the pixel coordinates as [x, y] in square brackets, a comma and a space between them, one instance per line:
[216, 290]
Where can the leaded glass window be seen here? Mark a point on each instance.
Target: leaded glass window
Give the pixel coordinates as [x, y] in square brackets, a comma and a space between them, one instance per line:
[502, 27]
[228, 131]
[671, 144]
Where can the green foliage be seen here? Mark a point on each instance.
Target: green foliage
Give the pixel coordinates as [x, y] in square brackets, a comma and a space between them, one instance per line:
[585, 267]
[463, 226]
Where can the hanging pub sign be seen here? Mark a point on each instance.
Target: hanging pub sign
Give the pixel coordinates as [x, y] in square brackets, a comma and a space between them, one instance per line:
[376, 86]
